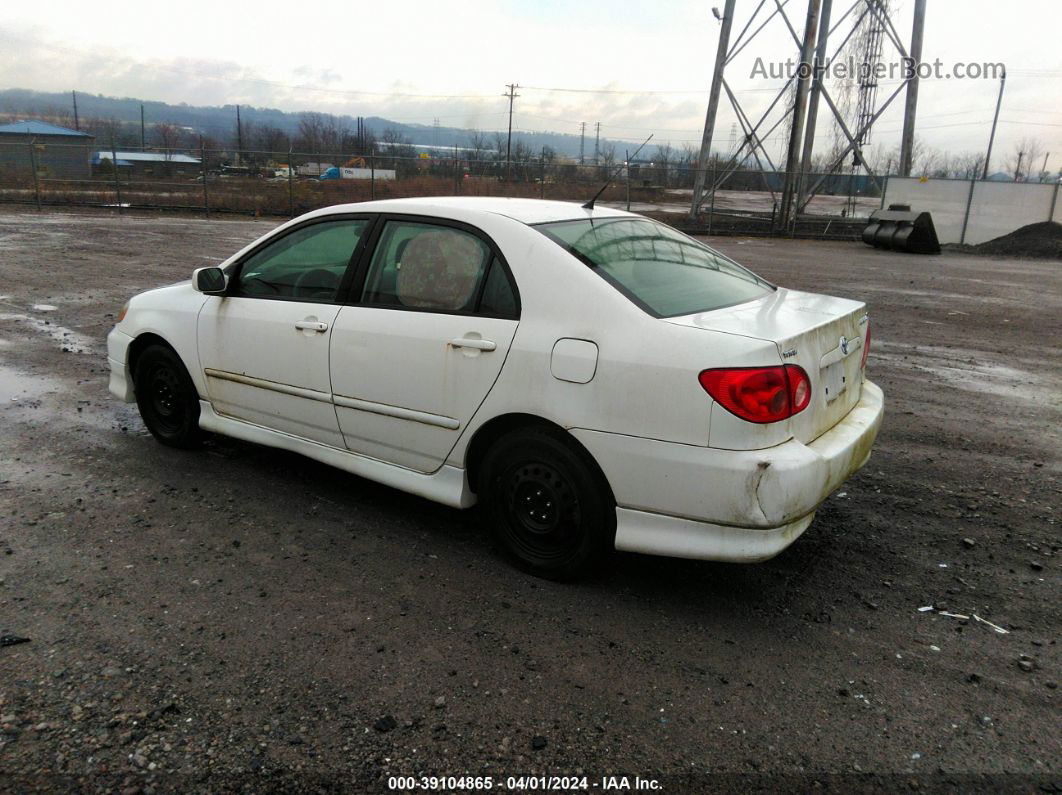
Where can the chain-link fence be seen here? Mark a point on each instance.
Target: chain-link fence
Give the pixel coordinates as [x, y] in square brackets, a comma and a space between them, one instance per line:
[291, 183]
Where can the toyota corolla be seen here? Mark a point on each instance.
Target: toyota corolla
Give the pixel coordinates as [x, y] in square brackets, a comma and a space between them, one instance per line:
[593, 379]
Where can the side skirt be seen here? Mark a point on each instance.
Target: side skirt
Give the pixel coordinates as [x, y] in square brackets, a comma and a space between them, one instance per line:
[447, 485]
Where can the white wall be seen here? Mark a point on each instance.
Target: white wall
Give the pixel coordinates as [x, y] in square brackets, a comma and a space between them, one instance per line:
[1002, 207]
[996, 208]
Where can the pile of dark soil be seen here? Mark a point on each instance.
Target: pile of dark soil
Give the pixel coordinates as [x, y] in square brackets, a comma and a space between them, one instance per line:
[1041, 241]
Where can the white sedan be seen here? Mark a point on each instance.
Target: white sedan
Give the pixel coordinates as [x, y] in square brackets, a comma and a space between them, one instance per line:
[594, 379]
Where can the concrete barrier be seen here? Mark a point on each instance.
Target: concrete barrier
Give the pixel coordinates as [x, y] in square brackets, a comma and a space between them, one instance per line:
[975, 211]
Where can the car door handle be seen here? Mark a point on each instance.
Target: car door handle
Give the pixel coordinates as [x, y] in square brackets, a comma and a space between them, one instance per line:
[470, 342]
[311, 325]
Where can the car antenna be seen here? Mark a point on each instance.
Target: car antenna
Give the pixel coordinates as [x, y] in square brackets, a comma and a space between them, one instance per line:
[590, 204]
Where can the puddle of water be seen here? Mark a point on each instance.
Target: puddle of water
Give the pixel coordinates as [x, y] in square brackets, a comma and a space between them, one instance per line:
[16, 386]
[967, 369]
[46, 399]
[73, 341]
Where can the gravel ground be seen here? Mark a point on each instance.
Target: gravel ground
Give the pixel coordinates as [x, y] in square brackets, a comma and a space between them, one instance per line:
[246, 619]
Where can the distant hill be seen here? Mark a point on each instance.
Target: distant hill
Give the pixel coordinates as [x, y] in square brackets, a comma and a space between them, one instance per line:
[219, 123]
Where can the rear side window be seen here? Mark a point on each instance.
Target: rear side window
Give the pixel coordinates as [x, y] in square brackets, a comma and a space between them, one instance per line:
[435, 268]
[663, 271]
[498, 296]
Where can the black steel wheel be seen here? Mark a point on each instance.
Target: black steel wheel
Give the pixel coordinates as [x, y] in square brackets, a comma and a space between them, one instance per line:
[167, 398]
[547, 504]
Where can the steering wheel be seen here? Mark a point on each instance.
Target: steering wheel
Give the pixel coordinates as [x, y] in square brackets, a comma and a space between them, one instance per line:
[318, 282]
[247, 281]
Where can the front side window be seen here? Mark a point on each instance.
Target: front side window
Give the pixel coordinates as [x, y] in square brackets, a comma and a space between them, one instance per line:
[436, 268]
[305, 265]
[662, 270]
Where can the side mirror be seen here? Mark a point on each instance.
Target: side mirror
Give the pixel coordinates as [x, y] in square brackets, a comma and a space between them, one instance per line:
[209, 281]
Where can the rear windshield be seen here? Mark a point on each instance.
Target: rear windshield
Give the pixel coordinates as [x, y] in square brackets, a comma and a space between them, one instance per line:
[662, 270]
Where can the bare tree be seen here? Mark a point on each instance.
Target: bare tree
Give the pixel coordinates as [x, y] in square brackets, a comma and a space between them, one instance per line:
[268, 138]
[663, 157]
[311, 132]
[1024, 160]
[399, 149]
[478, 146]
[607, 155]
[167, 135]
[107, 131]
[522, 155]
[968, 165]
[500, 145]
[926, 160]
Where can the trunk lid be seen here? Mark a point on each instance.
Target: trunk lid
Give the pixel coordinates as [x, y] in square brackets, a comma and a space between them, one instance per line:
[822, 334]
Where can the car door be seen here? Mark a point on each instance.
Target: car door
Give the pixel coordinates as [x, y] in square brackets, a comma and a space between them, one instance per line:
[263, 346]
[422, 343]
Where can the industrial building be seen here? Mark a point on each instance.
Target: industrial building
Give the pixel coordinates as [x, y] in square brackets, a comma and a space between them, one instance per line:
[146, 164]
[58, 152]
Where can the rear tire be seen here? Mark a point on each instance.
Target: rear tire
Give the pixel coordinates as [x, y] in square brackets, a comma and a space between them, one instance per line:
[547, 504]
[167, 398]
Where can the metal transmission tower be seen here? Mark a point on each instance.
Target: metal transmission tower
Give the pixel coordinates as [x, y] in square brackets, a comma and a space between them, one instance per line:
[597, 141]
[732, 147]
[582, 139]
[806, 87]
[870, 44]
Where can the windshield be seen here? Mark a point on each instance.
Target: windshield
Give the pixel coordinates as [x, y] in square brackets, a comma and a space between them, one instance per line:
[662, 270]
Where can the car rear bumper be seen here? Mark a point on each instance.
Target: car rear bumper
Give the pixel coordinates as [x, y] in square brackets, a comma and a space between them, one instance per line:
[738, 505]
[121, 382]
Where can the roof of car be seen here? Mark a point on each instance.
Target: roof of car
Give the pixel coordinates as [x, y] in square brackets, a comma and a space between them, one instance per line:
[528, 211]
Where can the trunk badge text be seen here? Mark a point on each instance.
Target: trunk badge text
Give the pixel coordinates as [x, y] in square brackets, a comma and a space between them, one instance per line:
[844, 345]
[789, 354]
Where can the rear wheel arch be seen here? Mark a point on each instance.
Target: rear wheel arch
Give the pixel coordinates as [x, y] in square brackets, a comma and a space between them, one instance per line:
[496, 428]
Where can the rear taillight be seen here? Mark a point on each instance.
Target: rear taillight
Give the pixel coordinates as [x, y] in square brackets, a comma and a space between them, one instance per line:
[759, 394]
[866, 348]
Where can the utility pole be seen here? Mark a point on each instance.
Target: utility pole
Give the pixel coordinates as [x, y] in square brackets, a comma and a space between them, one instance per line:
[597, 141]
[911, 108]
[995, 119]
[239, 135]
[786, 212]
[713, 107]
[77, 123]
[509, 141]
[1017, 169]
[582, 137]
[627, 168]
[142, 138]
[816, 92]
[1043, 168]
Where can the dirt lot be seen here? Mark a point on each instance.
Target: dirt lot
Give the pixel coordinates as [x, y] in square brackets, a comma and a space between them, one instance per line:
[242, 618]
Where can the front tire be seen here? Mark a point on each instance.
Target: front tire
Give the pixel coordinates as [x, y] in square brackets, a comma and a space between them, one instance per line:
[547, 504]
[167, 398]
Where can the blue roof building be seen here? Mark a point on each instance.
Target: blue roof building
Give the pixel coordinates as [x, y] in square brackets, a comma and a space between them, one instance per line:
[57, 152]
[35, 127]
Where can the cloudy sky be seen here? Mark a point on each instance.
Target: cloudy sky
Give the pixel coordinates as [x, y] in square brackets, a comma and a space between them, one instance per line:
[635, 67]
